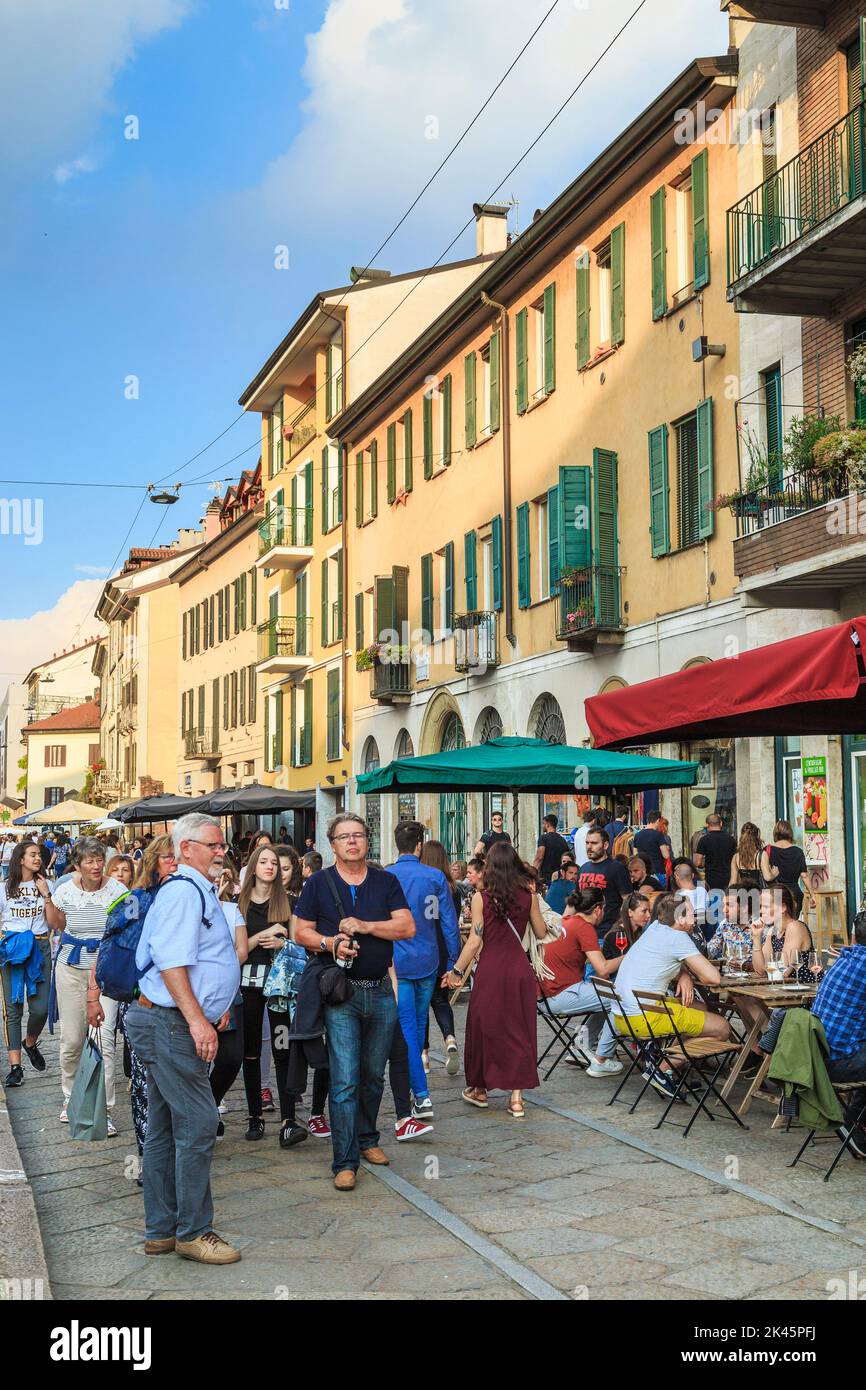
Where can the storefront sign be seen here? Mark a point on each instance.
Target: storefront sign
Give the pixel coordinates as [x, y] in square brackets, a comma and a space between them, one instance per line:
[815, 809]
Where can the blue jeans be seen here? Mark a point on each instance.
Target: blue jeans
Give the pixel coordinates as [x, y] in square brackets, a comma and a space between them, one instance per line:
[582, 997]
[413, 1003]
[181, 1125]
[360, 1033]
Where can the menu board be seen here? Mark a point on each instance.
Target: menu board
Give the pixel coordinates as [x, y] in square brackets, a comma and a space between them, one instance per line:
[815, 810]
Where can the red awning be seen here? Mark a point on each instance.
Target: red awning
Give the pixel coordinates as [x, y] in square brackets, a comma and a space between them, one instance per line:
[814, 684]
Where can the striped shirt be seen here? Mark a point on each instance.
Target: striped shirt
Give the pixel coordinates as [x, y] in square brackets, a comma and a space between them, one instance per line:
[85, 914]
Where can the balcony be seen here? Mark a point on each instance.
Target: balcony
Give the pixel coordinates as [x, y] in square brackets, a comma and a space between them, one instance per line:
[303, 432]
[286, 538]
[392, 679]
[801, 541]
[476, 645]
[201, 743]
[810, 14]
[127, 718]
[285, 646]
[797, 242]
[590, 607]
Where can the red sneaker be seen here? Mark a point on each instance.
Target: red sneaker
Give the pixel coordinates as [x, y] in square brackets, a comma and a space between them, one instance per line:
[267, 1098]
[318, 1126]
[411, 1129]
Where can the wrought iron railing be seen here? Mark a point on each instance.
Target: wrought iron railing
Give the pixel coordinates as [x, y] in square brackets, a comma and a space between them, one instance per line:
[303, 431]
[285, 637]
[476, 646]
[391, 677]
[285, 526]
[590, 600]
[201, 743]
[786, 496]
[824, 177]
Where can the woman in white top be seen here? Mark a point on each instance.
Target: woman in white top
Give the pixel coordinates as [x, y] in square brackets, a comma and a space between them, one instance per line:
[22, 908]
[78, 911]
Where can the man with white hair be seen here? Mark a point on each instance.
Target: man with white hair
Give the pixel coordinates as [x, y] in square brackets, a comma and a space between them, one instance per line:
[190, 978]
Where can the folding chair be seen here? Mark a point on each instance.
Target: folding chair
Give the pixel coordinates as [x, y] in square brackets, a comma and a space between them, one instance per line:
[842, 1088]
[558, 1025]
[692, 1053]
[636, 1051]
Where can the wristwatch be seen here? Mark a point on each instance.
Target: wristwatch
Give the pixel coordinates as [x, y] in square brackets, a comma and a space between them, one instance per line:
[458, 973]
[325, 944]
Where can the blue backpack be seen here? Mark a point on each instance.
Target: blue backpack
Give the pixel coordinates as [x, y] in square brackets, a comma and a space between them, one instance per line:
[116, 971]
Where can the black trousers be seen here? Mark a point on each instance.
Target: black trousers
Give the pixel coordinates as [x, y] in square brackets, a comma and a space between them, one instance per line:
[254, 1013]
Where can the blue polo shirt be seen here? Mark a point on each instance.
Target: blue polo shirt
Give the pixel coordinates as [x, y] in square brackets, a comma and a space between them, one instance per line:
[372, 900]
[174, 934]
[430, 902]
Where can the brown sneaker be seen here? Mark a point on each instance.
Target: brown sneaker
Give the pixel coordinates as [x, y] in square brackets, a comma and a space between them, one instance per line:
[377, 1156]
[345, 1181]
[159, 1247]
[208, 1249]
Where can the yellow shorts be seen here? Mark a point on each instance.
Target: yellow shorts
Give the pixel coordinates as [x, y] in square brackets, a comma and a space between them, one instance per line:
[689, 1021]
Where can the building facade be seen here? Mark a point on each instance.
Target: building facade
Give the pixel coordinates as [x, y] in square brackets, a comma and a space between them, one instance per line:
[60, 752]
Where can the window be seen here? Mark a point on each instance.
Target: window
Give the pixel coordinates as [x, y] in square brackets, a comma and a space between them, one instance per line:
[334, 375]
[333, 740]
[694, 442]
[332, 488]
[771, 382]
[437, 427]
[54, 795]
[302, 724]
[469, 401]
[273, 731]
[427, 597]
[407, 450]
[685, 241]
[486, 574]
[658, 253]
[332, 598]
[92, 754]
[242, 697]
[524, 588]
[300, 519]
[484, 393]
[276, 441]
[446, 588]
[251, 694]
[201, 709]
[692, 257]
[55, 755]
[541, 547]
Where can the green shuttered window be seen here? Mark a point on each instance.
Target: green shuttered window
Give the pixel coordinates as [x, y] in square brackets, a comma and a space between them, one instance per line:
[617, 285]
[582, 271]
[407, 450]
[658, 236]
[524, 593]
[469, 377]
[549, 339]
[660, 541]
[701, 220]
[391, 448]
[427, 594]
[469, 554]
[522, 357]
[427, 414]
[496, 565]
[333, 715]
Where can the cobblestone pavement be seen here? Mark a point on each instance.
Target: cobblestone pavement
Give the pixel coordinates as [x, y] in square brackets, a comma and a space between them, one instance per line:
[579, 1201]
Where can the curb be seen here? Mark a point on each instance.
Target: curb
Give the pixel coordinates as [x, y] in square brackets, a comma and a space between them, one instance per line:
[23, 1270]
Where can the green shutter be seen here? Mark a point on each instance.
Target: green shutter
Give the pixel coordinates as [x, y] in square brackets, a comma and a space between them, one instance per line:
[549, 339]
[705, 468]
[215, 713]
[341, 459]
[773, 403]
[522, 356]
[427, 596]
[496, 566]
[553, 538]
[407, 450]
[359, 489]
[617, 284]
[524, 592]
[494, 382]
[293, 530]
[326, 626]
[392, 461]
[253, 599]
[184, 637]
[293, 726]
[400, 576]
[469, 554]
[268, 761]
[469, 374]
[374, 477]
[307, 728]
[658, 238]
[308, 502]
[427, 417]
[582, 270]
[325, 490]
[446, 419]
[658, 483]
[359, 622]
[384, 608]
[333, 730]
[605, 516]
[575, 517]
[449, 586]
[339, 632]
[278, 735]
[700, 220]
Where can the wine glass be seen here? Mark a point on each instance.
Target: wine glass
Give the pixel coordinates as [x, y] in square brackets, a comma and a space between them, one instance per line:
[816, 965]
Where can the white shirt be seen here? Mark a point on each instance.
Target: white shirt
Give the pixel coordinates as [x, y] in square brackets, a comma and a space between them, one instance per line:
[7, 851]
[651, 963]
[24, 912]
[85, 915]
[175, 934]
[580, 835]
[697, 896]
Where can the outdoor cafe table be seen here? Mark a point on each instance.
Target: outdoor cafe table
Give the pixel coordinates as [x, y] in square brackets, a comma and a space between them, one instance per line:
[772, 996]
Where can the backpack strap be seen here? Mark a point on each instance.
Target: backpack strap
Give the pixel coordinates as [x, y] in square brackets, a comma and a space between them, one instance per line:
[182, 878]
[338, 901]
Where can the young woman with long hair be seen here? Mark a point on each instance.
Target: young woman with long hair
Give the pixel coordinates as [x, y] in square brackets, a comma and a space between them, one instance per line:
[783, 864]
[501, 1027]
[633, 918]
[746, 863]
[292, 871]
[22, 908]
[433, 853]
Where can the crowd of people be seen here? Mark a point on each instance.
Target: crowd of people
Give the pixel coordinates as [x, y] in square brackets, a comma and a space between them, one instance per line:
[255, 961]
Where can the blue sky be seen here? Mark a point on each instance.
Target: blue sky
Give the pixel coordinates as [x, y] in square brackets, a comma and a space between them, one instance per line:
[260, 123]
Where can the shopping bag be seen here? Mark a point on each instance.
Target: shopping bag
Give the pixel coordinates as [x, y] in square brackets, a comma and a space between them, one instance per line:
[86, 1111]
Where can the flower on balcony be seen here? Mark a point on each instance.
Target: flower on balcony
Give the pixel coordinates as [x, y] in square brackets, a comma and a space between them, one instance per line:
[840, 459]
[579, 615]
[856, 365]
[366, 658]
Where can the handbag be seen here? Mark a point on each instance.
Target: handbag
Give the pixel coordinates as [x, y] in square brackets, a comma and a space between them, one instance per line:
[87, 1111]
[335, 986]
[534, 946]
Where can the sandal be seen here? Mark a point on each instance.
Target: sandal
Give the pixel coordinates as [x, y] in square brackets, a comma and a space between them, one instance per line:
[471, 1098]
[515, 1113]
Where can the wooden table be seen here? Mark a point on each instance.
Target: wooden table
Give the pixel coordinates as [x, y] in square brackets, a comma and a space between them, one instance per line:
[773, 997]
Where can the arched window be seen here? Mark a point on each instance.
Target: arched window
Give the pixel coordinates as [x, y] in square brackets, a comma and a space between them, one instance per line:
[546, 720]
[452, 805]
[489, 725]
[373, 804]
[405, 800]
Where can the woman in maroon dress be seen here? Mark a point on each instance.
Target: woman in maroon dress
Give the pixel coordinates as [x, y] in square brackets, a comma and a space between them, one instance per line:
[501, 1030]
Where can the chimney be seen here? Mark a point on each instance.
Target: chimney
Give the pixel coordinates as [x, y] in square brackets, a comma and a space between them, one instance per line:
[491, 228]
[212, 520]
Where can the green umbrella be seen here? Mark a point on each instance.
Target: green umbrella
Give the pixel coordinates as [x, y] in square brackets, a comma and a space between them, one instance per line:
[527, 765]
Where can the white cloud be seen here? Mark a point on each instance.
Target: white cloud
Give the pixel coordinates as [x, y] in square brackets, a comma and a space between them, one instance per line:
[99, 571]
[84, 164]
[58, 62]
[26, 641]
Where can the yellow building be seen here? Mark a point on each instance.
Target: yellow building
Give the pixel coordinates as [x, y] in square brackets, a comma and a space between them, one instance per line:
[61, 749]
[531, 482]
[218, 719]
[137, 670]
[338, 346]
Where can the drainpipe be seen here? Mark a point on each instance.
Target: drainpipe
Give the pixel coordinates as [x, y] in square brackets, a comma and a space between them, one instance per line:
[507, 576]
[344, 544]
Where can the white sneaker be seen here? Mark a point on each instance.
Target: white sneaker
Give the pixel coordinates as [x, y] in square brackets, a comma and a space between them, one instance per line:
[64, 1118]
[223, 1109]
[422, 1109]
[604, 1066]
[112, 1130]
[452, 1059]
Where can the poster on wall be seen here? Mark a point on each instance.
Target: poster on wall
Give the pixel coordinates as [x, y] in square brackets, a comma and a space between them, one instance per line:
[815, 809]
[795, 810]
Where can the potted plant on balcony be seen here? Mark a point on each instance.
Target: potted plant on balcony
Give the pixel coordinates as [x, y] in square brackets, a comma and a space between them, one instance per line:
[856, 366]
[840, 461]
[366, 658]
[581, 615]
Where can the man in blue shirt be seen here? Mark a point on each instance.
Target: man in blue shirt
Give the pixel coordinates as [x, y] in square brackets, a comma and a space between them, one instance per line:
[185, 992]
[355, 913]
[841, 1006]
[416, 962]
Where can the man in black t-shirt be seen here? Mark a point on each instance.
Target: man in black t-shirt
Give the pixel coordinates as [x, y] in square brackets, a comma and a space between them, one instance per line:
[651, 841]
[494, 836]
[612, 877]
[551, 847]
[714, 852]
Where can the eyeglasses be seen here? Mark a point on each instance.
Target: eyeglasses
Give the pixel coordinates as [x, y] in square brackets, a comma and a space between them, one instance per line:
[211, 844]
[355, 835]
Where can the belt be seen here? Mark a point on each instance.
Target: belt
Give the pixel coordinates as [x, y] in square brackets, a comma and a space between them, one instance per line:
[149, 1004]
[365, 984]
